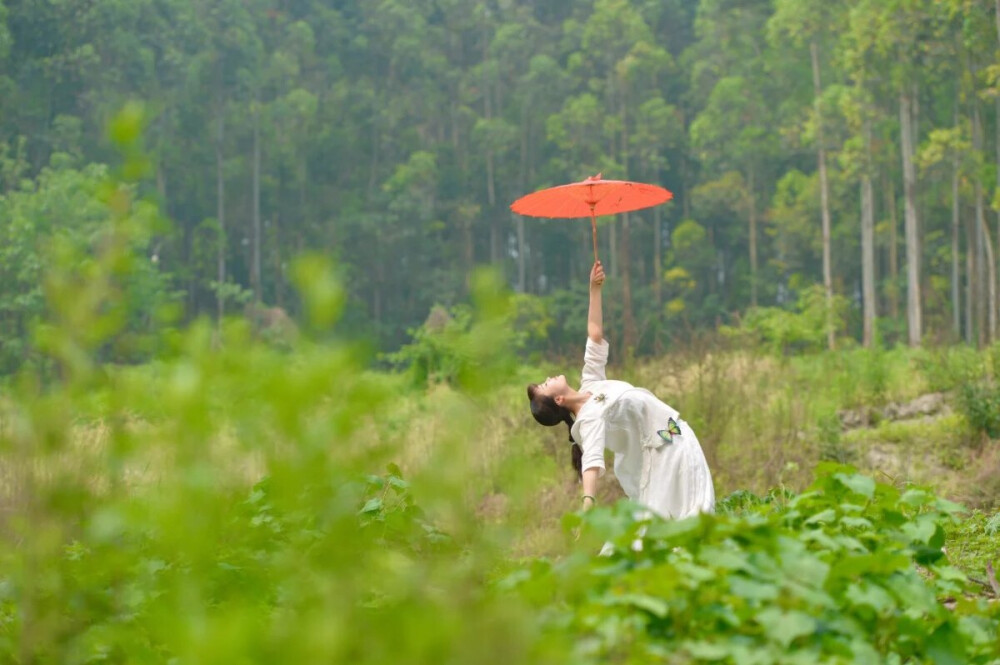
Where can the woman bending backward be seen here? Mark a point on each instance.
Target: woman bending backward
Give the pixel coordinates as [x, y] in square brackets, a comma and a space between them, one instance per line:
[658, 460]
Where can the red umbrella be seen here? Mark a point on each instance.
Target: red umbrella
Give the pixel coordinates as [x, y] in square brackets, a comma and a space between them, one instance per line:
[592, 197]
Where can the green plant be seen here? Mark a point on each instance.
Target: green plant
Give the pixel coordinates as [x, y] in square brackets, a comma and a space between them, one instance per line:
[466, 345]
[830, 575]
[979, 402]
[831, 444]
[947, 368]
[802, 329]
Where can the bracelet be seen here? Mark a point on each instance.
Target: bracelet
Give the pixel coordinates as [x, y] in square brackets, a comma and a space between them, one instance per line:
[587, 496]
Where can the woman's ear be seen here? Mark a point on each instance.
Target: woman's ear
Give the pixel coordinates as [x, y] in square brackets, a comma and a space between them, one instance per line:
[559, 400]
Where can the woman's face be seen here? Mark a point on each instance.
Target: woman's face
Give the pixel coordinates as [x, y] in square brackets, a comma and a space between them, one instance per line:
[554, 386]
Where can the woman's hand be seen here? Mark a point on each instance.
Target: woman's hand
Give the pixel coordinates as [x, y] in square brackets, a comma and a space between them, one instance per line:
[597, 276]
[595, 317]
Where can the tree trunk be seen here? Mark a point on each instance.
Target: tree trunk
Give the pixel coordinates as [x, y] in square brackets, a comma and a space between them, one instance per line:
[657, 274]
[995, 304]
[613, 250]
[752, 210]
[491, 196]
[279, 288]
[987, 334]
[220, 213]
[971, 270]
[913, 313]
[824, 189]
[494, 218]
[956, 305]
[893, 294]
[991, 271]
[255, 276]
[522, 247]
[629, 333]
[468, 251]
[379, 279]
[868, 243]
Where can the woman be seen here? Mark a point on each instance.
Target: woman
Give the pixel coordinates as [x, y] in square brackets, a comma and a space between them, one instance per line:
[658, 460]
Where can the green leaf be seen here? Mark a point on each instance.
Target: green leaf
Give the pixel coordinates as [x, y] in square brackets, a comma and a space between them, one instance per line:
[946, 646]
[915, 498]
[752, 590]
[870, 595]
[822, 517]
[671, 529]
[372, 506]
[707, 650]
[856, 482]
[655, 606]
[785, 627]
[856, 522]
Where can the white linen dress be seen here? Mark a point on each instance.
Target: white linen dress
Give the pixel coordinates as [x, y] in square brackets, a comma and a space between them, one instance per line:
[669, 477]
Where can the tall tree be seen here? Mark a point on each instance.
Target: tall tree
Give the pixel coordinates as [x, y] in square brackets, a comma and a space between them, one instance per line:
[730, 131]
[806, 23]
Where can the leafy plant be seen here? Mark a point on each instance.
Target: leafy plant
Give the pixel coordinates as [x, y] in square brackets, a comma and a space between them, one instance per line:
[979, 402]
[848, 571]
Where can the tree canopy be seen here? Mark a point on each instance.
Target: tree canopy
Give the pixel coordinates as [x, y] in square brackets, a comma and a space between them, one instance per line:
[851, 144]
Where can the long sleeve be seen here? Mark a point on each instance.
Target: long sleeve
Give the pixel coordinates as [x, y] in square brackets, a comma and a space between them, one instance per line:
[595, 359]
[591, 440]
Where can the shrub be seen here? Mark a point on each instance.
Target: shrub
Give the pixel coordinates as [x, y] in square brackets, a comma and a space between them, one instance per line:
[979, 402]
[802, 329]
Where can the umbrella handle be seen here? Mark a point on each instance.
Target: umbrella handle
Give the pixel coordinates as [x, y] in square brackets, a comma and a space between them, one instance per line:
[593, 228]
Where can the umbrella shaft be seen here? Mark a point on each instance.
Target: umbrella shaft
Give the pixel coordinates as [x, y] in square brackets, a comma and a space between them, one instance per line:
[593, 228]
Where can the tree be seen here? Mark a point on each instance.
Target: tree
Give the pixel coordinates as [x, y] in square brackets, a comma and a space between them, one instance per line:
[807, 23]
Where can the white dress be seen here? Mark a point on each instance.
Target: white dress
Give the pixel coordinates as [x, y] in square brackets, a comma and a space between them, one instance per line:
[669, 477]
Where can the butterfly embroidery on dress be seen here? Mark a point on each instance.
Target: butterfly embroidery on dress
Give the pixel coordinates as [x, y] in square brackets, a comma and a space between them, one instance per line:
[672, 430]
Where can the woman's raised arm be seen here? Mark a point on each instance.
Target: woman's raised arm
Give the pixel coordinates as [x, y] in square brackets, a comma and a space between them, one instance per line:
[595, 317]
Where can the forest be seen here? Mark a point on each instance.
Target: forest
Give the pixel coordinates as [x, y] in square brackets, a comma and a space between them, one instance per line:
[267, 318]
[835, 158]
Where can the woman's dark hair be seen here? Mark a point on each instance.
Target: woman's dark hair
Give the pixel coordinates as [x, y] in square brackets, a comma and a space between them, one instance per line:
[548, 413]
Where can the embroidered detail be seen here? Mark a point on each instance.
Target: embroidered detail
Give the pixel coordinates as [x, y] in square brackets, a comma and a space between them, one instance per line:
[600, 398]
[672, 430]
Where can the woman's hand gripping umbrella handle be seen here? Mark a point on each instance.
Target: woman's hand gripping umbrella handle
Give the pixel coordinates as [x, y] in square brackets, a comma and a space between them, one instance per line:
[595, 315]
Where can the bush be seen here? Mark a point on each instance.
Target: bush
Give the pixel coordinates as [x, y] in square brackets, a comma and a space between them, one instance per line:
[785, 331]
[466, 345]
[979, 402]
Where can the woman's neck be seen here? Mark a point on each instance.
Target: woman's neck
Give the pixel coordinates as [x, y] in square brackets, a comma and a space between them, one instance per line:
[574, 401]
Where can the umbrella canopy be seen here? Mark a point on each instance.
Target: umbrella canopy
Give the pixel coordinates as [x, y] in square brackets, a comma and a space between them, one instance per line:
[590, 198]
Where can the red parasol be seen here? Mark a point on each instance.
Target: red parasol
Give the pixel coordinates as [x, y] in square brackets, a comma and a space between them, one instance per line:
[592, 197]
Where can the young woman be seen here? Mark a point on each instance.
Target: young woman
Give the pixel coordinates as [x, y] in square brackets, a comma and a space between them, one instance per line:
[658, 460]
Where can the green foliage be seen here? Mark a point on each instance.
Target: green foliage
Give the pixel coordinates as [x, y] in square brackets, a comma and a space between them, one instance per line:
[971, 377]
[466, 345]
[783, 331]
[368, 134]
[830, 575]
[947, 368]
[434, 354]
[979, 402]
[219, 504]
[54, 231]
